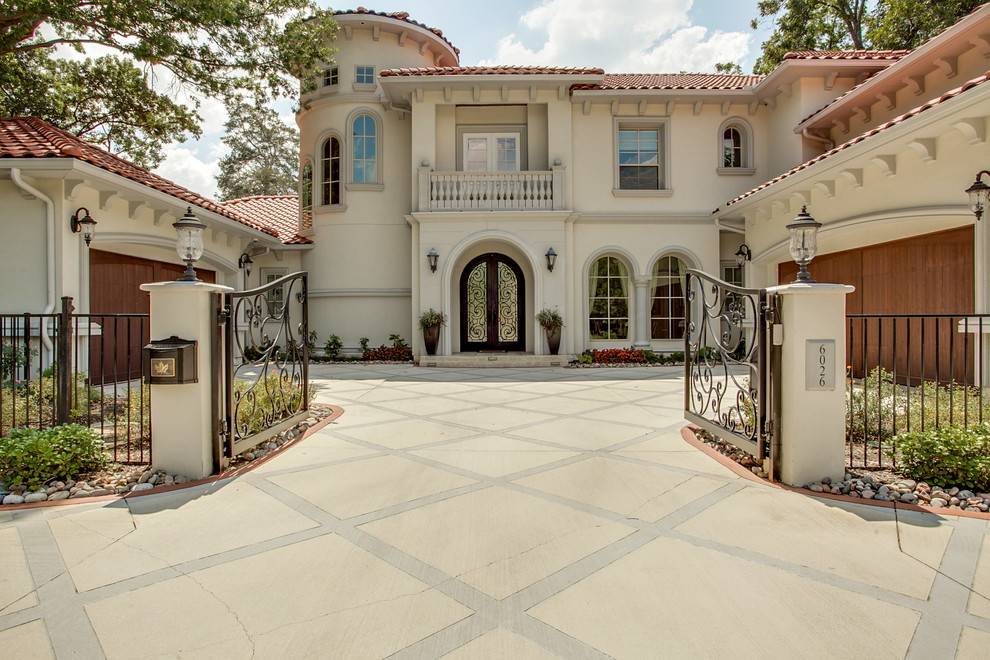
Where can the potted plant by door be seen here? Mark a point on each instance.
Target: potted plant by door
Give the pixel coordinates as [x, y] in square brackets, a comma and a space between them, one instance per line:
[551, 322]
[430, 323]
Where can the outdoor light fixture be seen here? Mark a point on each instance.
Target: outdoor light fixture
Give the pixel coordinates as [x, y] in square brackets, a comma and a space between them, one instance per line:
[978, 194]
[743, 254]
[804, 243]
[551, 259]
[432, 258]
[245, 262]
[85, 224]
[190, 243]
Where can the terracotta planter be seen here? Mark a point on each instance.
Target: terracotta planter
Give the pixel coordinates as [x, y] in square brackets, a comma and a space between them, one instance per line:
[431, 337]
[553, 341]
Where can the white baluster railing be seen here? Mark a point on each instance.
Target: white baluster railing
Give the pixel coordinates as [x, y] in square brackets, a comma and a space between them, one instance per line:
[510, 191]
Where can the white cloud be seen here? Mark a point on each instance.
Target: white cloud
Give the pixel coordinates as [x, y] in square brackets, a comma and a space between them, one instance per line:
[643, 36]
[186, 168]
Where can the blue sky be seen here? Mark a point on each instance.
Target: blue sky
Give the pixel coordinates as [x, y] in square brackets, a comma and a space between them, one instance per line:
[620, 36]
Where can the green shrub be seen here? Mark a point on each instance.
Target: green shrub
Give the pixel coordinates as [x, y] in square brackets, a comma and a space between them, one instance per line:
[364, 341]
[262, 403]
[13, 356]
[585, 358]
[949, 456]
[33, 457]
[333, 346]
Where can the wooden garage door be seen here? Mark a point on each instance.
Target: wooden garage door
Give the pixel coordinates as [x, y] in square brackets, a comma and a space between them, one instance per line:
[930, 274]
[114, 288]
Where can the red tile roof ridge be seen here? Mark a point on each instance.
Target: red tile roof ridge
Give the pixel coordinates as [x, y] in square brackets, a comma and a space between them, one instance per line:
[861, 54]
[674, 81]
[249, 197]
[31, 137]
[970, 84]
[507, 69]
[399, 16]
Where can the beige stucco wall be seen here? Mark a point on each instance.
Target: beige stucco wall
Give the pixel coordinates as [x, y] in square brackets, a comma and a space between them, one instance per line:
[22, 251]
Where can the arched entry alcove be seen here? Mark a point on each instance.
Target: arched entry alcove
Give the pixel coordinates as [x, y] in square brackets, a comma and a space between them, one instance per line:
[492, 304]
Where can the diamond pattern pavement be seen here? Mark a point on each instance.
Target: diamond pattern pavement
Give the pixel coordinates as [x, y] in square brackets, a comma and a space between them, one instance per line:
[492, 513]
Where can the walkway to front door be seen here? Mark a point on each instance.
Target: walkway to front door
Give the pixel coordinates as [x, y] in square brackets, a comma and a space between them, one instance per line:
[492, 303]
[492, 513]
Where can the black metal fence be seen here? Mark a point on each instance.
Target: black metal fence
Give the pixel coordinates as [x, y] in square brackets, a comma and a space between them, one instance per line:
[79, 368]
[911, 372]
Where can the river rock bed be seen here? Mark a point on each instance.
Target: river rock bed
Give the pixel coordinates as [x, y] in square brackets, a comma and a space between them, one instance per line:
[122, 479]
[879, 485]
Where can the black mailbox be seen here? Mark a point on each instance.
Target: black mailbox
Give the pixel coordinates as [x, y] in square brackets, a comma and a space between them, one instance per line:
[170, 361]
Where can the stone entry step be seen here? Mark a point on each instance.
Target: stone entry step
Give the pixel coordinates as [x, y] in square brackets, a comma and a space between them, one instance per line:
[483, 360]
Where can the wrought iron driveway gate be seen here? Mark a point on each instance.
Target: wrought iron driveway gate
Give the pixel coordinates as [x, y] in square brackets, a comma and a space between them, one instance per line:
[730, 384]
[262, 383]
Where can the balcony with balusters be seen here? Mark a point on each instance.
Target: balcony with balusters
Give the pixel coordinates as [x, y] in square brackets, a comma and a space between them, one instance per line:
[492, 191]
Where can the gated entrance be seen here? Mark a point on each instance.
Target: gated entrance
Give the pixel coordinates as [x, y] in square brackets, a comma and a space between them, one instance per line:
[261, 385]
[729, 364]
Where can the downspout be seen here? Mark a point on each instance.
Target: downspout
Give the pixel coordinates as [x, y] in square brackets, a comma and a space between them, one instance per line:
[808, 135]
[15, 176]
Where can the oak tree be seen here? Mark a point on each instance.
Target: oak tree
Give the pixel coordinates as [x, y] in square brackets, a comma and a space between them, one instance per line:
[264, 154]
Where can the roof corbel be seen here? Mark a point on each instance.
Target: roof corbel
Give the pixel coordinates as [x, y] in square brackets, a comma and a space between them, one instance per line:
[886, 162]
[925, 147]
[949, 64]
[107, 197]
[830, 80]
[974, 129]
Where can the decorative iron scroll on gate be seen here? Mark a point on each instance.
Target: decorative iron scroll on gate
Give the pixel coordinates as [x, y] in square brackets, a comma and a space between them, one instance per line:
[262, 387]
[728, 363]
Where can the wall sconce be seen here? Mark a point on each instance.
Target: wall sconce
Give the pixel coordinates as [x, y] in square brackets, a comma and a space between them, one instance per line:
[743, 254]
[432, 258]
[551, 259]
[804, 243]
[189, 243]
[245, 263]
[978, 193]
[85, 224]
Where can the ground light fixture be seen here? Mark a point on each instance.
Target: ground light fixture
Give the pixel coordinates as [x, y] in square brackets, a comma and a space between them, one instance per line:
[743, 254]
[85, 224]
[978, 195]
[189, 243]
[804, 243]
[551, 259]
[244, 262]
[432, 256]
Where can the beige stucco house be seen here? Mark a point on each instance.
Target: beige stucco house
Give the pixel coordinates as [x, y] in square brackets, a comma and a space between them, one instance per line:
[425, 184]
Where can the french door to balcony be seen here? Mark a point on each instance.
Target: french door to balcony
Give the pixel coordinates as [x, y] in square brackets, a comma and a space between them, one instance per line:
[491, 152]
[492, 289]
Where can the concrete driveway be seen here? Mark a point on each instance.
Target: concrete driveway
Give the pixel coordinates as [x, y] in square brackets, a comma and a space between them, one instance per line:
[492, 513]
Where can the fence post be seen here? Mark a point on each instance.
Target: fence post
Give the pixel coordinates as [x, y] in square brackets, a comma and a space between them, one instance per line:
[63, 361]
[27, 346]
[182, 424]
[812, 374]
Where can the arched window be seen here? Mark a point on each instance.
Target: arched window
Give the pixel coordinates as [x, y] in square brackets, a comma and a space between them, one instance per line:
[306, 196]
[330, 171]
[732, 147]
[608, 306]
[365, 150]
[667, 304]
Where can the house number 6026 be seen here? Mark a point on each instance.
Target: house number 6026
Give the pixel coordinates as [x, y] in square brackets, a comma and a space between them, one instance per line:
[820, 364]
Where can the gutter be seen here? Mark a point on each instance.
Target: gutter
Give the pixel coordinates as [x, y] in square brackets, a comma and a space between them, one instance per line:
[15, 175]
[736, 230]
[808, 135]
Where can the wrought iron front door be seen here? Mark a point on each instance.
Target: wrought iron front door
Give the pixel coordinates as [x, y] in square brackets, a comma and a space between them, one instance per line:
[492, 305]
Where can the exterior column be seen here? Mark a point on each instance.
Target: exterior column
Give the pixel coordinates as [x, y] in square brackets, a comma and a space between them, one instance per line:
[811, 425]
[182, 415]
[641, 334]
[981, 297]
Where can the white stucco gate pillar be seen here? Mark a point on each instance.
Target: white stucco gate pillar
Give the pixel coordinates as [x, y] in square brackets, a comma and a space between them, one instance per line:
[182, 416]
[812, 373]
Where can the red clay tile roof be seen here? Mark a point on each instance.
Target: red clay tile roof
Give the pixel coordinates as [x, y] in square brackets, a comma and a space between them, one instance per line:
[500, 70]
[30, 137]
[399, 16]
[277, 212]
[674, 81]
[846, 55]
[870, 133]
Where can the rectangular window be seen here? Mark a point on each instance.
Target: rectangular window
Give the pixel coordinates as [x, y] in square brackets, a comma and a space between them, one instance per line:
[364, 75]
[491, 152]
[331, 77]
[275, 297]
[639, 159]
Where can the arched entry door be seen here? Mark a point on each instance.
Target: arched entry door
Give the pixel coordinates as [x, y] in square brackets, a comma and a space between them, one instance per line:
[492, 289]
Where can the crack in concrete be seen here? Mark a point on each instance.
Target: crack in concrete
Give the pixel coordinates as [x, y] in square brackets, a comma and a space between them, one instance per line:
[230, 610]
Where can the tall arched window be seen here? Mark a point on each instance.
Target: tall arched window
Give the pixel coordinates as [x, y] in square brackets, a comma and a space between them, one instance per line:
[732, 147]
[667, 304]
[608, 305]
[365, 150]
[330, 171]
[306, 196]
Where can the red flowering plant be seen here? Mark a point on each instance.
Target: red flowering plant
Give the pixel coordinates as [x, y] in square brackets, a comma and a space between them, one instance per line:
[397, 352]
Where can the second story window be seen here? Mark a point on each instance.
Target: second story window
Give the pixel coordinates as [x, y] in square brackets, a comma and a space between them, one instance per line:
[364, 75]
[364, 166]
[491, 152]
[330, 171]
[331, 77]
[732, 148]
[639, 159]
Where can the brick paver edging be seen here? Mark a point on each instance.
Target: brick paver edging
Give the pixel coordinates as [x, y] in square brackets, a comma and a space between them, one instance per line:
[689, 434]
[335, 412]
